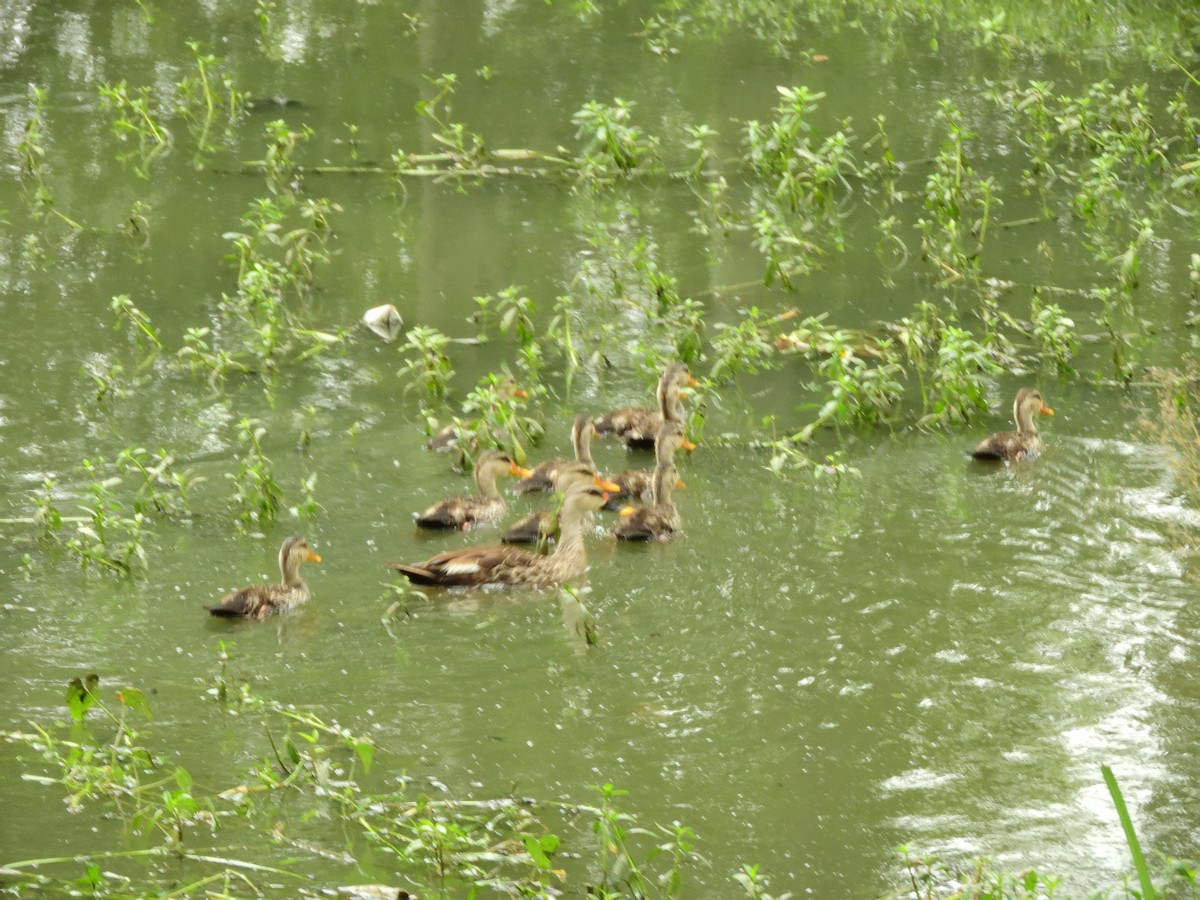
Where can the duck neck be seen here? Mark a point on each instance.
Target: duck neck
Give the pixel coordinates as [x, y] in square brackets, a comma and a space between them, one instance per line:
[669, 404]
[1023, 414]
[289, 568]
[485, 481]
[570, 538]
[583, 447]
[664, 487]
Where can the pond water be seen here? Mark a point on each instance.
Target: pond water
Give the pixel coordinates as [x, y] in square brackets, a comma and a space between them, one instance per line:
[929, 652]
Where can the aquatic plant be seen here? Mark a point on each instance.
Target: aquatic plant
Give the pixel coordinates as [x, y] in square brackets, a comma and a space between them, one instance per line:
[256, 495]
[107, 536]
[206, 93]
[610, 137]
[427, 365]
[137, 321]
[135, 120]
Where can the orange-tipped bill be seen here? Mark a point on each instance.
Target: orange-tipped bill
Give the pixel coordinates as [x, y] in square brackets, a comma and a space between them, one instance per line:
[627, 511]
[312, 557]
[679, 483]
[606, 485]
[688, 445]
[519, 471]
[1046, 411]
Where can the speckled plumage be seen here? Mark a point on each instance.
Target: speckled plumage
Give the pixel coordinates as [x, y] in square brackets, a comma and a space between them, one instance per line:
[486, 506]
[543, 475]
[542, 527]
[1025, 442]
[637, 426]
[512, 565]
[638, 484]
[657, 522]
[260, 600]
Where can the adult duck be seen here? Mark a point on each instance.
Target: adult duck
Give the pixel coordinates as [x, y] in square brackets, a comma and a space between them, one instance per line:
[637, 426]
[659, 521]
[484, 507]
[543, 526]
[542, 478]
[505, 564]
[1025, 442]
[638, 484]
[260, 600]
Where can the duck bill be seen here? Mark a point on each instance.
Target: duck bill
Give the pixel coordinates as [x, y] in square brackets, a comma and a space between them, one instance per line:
[519, 471]
[521, 393]
[312, 557]
[606, 485]
[692, 382]
[626, 511]
[679, 484]
[1046, 411]
[688, 445]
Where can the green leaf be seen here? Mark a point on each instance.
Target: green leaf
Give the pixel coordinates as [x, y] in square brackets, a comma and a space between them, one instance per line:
[292, 752]
[80, 696]
[536, 853]
[184, 779]
[135, 699]
[366, 752]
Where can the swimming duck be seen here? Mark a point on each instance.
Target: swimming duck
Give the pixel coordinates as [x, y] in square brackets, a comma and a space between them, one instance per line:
[260, 600]
[638, 425]
[542, 526]
[1024, 443]
[512, 565]
[543, 475]
[486, 506]
[638, 484]
[659, 521]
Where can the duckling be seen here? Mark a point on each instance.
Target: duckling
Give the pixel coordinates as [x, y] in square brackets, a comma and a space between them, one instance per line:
[487, 506]
[543, 475]
[1025, 442]
[260, 600]
[542, 527]
[638, 484]
[512, 565]
[657, 522]
[638, 425]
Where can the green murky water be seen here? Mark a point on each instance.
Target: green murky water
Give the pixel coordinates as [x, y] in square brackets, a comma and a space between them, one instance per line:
[934, 654]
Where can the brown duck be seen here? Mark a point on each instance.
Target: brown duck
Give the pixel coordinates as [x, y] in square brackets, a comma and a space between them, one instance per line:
[542, 478]
[260, 600]
[542, 526]
[637, 426]
[512, 565]
[486, 506]
[659, 521]
[638, 484]
[1024, 443]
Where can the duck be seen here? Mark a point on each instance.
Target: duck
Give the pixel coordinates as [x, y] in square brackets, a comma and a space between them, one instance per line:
[543, 526]
[637, 426]
[638, 484]
[485, 507]
[504, 564]
[1025, 442]
[542, 478]
[659, 521]
[260, 600]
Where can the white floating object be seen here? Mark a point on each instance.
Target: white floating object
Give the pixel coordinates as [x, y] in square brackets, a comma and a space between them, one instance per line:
[385, 321]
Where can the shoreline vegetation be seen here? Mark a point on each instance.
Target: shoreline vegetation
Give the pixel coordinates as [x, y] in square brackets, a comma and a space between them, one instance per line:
[1119, 159]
